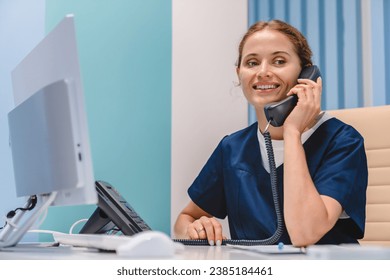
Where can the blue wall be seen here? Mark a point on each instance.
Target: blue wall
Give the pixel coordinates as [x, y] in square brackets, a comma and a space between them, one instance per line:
[125, 57]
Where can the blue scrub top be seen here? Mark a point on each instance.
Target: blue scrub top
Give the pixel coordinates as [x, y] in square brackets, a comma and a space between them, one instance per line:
[234, 183]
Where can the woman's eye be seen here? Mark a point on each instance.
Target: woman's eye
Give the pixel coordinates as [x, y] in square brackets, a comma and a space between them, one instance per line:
[280, 61]
[252, 63]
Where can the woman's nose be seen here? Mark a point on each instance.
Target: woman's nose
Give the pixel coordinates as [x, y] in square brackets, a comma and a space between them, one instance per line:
[263, 70]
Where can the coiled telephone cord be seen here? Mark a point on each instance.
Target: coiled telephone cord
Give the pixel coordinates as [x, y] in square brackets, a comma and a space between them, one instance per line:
[275, 194]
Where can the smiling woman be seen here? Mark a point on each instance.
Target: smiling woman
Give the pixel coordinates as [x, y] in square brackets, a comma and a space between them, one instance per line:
[321, 161]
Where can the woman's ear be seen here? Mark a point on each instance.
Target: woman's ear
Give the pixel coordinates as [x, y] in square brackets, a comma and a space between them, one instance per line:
[238, 76]
[238, 73]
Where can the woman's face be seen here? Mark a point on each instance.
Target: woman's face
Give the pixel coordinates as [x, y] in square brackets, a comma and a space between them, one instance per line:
[269, 67]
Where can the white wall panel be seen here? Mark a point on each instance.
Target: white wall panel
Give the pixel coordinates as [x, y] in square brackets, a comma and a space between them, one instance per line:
[206, 103]
[378, 55]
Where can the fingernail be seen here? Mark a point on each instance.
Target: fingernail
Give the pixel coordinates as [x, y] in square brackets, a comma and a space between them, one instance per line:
[211, 242]
[219, 242]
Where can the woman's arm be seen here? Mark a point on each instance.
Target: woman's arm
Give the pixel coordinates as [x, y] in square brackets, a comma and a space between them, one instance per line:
[308, 215]
[194, 223]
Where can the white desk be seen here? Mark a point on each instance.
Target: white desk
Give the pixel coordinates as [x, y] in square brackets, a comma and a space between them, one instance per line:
[30, 252]
[46, 252]
[204, 262]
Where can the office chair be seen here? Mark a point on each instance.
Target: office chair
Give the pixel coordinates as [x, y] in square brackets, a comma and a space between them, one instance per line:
[374, 125]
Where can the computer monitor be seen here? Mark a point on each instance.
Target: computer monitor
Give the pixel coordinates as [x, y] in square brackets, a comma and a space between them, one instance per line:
[48, 131]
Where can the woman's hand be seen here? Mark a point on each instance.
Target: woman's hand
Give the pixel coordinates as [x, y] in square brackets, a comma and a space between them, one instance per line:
[308, 107]
[194, 223]
[206, 228]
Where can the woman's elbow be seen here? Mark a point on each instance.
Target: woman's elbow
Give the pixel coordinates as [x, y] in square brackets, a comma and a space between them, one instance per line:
[302, 238]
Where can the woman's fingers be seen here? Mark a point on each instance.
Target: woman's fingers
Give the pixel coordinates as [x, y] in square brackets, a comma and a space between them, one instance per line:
[206, 228]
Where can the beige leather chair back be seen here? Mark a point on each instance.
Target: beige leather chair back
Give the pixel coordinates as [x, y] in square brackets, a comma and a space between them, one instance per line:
[374, 125]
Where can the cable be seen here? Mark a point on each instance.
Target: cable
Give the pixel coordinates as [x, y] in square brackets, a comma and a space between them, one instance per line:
[275, 195]
[75, 224]
[32, 203]
[12, 233]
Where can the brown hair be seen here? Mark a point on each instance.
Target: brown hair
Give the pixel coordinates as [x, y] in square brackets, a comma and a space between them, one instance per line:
[297, 39]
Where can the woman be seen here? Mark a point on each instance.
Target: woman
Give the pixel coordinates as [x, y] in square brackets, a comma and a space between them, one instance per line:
[321, 162]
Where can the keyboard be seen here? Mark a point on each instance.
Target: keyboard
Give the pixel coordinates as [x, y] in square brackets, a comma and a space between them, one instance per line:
[142, 244]
[97, 241]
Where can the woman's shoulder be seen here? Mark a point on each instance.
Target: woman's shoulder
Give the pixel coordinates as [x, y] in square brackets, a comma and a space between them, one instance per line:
[334, 126]
[336, 133]
[247, 132]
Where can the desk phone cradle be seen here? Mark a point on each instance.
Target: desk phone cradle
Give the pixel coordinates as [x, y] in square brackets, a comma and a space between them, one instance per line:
[113, 212]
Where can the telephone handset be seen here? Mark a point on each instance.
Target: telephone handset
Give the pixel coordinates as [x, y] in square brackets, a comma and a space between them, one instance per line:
[277, 112]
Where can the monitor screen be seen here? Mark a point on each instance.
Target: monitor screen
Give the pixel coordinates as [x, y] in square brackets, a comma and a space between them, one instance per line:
[58, 140]
[48, 131]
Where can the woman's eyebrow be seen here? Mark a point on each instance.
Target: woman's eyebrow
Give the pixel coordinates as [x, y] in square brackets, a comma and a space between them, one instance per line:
[281, 52]
[250, 55]
[274, 53]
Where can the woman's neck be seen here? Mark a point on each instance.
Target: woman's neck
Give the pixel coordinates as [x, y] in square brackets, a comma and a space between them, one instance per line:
[276, 132]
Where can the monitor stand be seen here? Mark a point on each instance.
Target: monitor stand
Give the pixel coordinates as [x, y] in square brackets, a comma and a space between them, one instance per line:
[18, 225]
